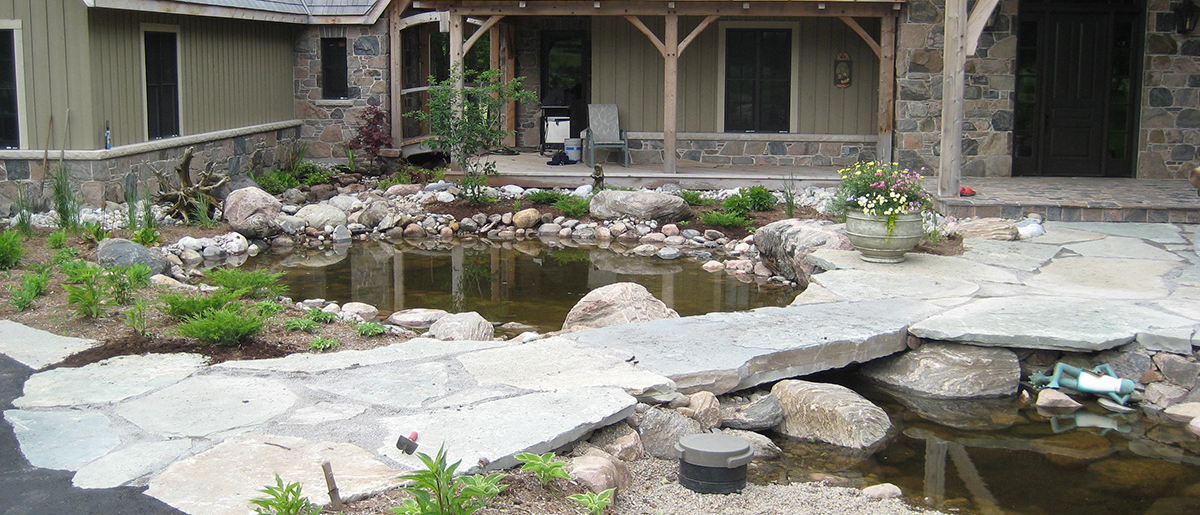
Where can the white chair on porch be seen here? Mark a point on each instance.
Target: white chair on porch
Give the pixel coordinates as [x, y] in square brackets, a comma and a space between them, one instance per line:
[604, 131]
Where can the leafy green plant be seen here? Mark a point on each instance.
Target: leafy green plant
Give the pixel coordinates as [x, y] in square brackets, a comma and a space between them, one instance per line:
[879, 190]
[436, 491]
[736, 205]
[256, 284]
[465, 123]
[370, 329]
[181, 306]
[24, 222]
[122, 281]
[789, 197]
[695, 198]
[295, 156]
[398, 178]
[283, 499]
[64, 255]
[351, 165]
[760, 198]
[574, 207]
[202, 215]
[276, 182]
[65, 203]
[78, 271]
[267, 309]
[33, 284]
[148, 211]
[544, 197]
[720, 219]
[11, 250]
[229, 325]
[136, 318]
[131, 198]
[544, 466]
[300, 324]
[21, 298]
[94, 232]
[146, 236]
[318, 315]
[87, 298]
[373, 135]
[593, 502]
[516, 205]
[56, 239]
[311, 174]
[322, 344]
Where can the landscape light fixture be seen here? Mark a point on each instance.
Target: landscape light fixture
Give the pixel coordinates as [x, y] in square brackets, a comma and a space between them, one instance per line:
[1186, 17]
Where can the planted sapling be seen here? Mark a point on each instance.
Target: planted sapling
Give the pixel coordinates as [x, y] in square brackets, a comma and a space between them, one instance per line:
[544, 466]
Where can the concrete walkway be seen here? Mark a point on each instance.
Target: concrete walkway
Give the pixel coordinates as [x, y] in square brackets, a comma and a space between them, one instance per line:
[204, 438]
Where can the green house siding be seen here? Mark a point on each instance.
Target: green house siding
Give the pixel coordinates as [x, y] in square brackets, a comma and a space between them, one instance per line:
[627, 70]
[232, 73]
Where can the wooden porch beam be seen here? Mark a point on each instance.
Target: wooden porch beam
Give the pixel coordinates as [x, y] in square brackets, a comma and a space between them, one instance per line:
[396, 70]
[850, 22]
[954, 60]
[457, 64]
[887, 88]
[487, 25]
[670, 91]
[977, 21]
[637, 22]
[696, 32]
[643, 8]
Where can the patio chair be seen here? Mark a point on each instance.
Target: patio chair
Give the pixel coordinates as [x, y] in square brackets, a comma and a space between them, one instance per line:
[604, 131]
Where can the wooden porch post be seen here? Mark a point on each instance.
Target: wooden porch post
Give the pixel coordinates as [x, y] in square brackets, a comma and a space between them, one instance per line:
[670, 90]
[887, 87]
[396, 71]
[457, 66]
[954, 59]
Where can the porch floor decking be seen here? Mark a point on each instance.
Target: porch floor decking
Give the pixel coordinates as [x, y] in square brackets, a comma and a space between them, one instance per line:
[1075, 199]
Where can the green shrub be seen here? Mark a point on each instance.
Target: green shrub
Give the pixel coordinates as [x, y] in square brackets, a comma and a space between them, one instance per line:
[24, 222]
[435, 490]
[324, 317]
[544, 197]
[146, 236]
[760, 198]
[267, 309]
[574, 207]
[64, 255]
[65, 203]
[33, 285]
[87, 298]
[181, 306]
[736, 205]
[202, 214]
[544, 466]
[370, 329]
[284, 499]
[57, 239]
[79, 271]
[311, 174]
[136, 318]
[397, 178]
[10, 249]
[277, 182]
[724, 219]
[226, 326]
[694, 198]
[593, 502]
[21, 298]
[256, 284]
[322, 344]
[94, 232]
[300, 324]
[122, 281]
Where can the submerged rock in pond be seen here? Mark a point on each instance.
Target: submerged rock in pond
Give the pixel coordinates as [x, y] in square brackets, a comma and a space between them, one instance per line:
[949, 371]
[615, 304]
[968, 414]
[830, 413]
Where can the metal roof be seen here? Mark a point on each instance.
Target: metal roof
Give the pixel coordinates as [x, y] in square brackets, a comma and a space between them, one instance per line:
[295, 11]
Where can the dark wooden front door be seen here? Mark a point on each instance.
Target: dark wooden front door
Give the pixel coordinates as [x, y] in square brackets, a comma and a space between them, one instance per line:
[1076, 88]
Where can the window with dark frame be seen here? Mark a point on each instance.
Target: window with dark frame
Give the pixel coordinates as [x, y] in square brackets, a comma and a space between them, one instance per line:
[758, 80]
[335, 81]
[162, 85]
[10, 131]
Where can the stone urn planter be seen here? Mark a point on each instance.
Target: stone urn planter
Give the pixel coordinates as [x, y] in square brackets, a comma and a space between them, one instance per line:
[870, 237]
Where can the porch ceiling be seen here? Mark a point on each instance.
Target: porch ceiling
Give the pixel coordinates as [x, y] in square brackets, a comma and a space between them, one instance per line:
[860, 8]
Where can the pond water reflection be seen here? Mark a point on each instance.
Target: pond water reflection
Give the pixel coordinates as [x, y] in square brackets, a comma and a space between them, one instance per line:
[522, 282]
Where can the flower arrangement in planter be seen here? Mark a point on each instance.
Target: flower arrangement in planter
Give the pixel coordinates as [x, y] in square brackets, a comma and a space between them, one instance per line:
[882, 203]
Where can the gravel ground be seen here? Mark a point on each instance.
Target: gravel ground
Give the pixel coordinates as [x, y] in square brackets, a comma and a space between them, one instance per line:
[665, 496]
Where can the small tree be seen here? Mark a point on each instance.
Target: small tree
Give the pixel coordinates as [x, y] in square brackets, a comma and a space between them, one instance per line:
[466, 123]
[373, 135]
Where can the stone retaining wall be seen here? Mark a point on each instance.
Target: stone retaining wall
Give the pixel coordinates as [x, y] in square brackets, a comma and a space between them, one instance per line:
[98, 176]
[744, 152]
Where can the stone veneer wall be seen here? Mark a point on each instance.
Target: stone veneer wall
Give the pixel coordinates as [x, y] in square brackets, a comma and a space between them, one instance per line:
[99, 176]
[988, 95]
[330, 124]
[1170, 120]
[741, 151]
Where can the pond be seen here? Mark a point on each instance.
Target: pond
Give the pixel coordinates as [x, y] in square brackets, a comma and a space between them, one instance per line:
[523, 282]
[985, 457]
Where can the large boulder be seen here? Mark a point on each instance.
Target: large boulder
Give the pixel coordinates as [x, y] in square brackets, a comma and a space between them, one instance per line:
[373, 214]
[122, 252]
[241, 204]
[829, 413]
[987, 229]
[322, 215]
[660, 429]
[615, 304]
[949, 371]
[783, 245]
[763, 413]
[416, 318]
[462, 326]
[526, 218]
[598, 471]
[642, 205]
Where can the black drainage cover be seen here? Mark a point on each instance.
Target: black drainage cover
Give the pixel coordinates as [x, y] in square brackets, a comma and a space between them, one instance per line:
[713, 463]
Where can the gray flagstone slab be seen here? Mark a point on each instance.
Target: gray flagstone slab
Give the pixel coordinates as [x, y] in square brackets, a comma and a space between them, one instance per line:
[207, 405]
[1121, 248]
[417, 349]
[557, 363]
[925, 265]
[64, 440]
[1058, 233]
[1019, 255]
[107, 381]
[1054, 323]
[127, 464]
[389, 386]
[37, 348]
[858, 285]
[1104, 278]
[1158, 233]
[723, 352]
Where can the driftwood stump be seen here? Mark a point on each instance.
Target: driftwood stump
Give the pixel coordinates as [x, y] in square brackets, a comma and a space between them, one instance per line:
[184, 197]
